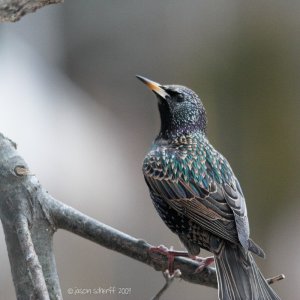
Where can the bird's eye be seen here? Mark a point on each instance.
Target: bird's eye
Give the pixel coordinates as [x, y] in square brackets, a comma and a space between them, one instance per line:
[180, 98]
[175, 95]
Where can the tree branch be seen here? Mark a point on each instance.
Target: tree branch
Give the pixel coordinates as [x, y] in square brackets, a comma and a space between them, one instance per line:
[74, 221]
[13, 10]
[21, 198]
[34, 266]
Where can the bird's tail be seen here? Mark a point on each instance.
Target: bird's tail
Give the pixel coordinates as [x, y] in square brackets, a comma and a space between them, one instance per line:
[239, 278]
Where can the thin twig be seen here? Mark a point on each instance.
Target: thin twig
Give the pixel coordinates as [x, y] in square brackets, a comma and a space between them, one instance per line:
[169, 279]
[275, 278]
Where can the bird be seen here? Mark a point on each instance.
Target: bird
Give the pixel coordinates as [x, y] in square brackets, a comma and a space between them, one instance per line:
[197, 195]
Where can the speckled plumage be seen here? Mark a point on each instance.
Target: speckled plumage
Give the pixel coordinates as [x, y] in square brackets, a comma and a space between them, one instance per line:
[188, 167]
[197, 195]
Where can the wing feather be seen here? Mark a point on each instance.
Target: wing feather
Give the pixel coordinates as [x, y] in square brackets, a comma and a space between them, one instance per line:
[210, 196]
[211, 214]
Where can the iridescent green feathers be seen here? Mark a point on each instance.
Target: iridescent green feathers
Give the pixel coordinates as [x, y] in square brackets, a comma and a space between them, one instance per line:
[189, 158]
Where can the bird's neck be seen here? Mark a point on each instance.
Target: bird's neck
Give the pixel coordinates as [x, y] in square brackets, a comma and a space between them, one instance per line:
[172, 128]
[171, 136]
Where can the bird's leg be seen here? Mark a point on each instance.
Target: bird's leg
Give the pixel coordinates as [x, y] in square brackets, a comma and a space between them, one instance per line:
[170, 253]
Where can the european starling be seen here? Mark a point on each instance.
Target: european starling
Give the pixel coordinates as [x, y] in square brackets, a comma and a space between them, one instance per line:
[197, 195]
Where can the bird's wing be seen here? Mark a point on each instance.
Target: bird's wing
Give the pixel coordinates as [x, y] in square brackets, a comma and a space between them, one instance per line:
[209, 209]
[218, 208]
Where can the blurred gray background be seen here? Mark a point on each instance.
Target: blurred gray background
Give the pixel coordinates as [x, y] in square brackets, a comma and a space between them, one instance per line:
[83, 123]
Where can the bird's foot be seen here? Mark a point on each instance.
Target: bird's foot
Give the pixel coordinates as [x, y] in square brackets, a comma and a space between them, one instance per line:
[203, 262]
[170, 253]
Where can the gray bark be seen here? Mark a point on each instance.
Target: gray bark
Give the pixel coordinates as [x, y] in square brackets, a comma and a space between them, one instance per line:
[13, 10]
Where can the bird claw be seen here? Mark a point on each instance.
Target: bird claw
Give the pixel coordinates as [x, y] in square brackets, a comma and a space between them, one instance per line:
[203, 263]
[170, 254]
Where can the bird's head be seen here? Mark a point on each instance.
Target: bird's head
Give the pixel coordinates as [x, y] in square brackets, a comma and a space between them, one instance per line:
[181, 110]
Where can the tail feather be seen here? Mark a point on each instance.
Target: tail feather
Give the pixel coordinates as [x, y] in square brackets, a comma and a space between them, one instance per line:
[239, 278]
[254, 248]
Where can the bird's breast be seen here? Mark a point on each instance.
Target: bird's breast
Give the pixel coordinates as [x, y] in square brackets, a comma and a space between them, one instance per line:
[184, 158]
[187, 158]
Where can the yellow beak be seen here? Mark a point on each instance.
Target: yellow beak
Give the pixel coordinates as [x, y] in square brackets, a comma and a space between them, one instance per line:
[153, 86]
